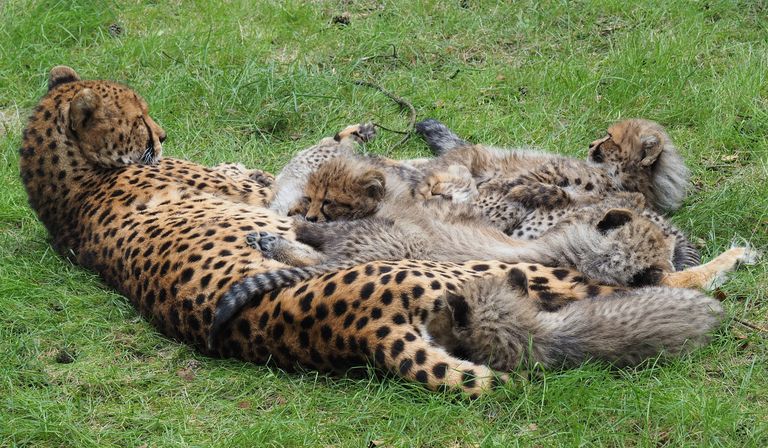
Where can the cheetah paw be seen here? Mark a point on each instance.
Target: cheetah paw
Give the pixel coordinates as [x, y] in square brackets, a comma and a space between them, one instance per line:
[362, 133]
[747, 255]
[266, 242]
[262, 178]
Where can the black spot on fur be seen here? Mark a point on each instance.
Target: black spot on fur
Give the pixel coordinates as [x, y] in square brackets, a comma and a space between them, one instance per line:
[647, 277]
[366, 291]
[517, 279]
[439, 370]
[397, 347]
[340, 307]
[460, 310]
[349, 277]
[614, 219]
[382, 332]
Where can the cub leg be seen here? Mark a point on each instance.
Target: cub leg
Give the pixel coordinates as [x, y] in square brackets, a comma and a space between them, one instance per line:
[285, 251]
[714, 273]
[536, 195]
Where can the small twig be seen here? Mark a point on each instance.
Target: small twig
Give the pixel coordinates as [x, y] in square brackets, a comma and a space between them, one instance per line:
[402, 103]
[378, 125]
[751, 325]
[164, 53]
[393, 56]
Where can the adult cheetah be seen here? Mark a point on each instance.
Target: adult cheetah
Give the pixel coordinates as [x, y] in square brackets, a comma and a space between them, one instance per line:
[170, 235]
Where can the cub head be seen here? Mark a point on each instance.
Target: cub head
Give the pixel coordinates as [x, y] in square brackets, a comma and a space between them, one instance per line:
[642, 155]
[615, 246]
[342, 189]
[108, 122]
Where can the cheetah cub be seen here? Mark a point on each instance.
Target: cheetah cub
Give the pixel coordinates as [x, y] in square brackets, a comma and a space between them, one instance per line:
[524, 193]
[492, 321]
[636, 155]
[298, 182]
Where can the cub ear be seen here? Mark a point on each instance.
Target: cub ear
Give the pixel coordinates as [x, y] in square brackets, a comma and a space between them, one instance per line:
[632, 199]
[372, 183]
[652, 148]
[518, 280]
[614, 219]
[61, 74]
[82, 108]
[459, 309]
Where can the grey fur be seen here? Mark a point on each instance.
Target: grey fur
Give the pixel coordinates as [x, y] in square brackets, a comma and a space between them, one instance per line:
[671, 180]
[498, 325]
[438, 136]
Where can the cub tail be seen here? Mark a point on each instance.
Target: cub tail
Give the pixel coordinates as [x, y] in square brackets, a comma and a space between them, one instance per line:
[438, 137]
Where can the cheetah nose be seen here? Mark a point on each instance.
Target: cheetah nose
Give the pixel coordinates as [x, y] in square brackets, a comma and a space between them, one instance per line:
[312, 218]
[162, 136]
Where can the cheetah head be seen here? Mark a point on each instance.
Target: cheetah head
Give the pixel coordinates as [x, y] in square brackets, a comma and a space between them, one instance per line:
[643, 157]
[342, 189]
[614, 246]
[108, 122]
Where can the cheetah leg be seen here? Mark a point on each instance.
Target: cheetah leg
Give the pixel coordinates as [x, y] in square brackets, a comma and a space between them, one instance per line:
[455, 184]
[535, 195]
[432, 366]
[713, 274]
[361, 133]
[285, 251]
[235, 170]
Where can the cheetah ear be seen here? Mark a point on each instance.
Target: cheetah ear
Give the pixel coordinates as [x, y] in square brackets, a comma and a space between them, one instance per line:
[82, 108]
[614, 219]
[651, 145]
[633, 199]
[518, 280]
[459, 309]
[372, 183]
[61, 74]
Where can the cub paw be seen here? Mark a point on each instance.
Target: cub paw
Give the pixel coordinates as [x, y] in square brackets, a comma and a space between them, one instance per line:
[266, 242]
[262, 178]
[454, 184]
[747, 254]
[362, 133]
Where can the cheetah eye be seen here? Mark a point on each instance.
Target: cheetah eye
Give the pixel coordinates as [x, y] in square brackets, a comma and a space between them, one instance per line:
[306, 199]
[327, 202]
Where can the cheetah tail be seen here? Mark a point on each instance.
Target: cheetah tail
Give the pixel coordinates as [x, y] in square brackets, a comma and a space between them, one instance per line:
[253, 288]
[629, 327]
[438, 137]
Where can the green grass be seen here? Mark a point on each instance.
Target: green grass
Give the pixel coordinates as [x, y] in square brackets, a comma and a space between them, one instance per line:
[257, 81]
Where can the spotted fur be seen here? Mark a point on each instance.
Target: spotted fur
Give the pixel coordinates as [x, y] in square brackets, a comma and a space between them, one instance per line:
[636, 156]
[170, 235]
